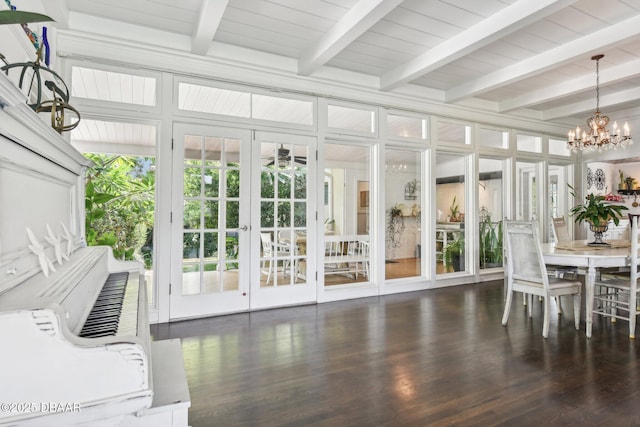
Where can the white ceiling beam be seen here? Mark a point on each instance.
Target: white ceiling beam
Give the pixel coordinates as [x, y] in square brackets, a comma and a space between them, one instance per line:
[568, 52]
[353, 24]
[59, 11]
[571, 87]
[606, 102]
[497, 26]
[211, 12]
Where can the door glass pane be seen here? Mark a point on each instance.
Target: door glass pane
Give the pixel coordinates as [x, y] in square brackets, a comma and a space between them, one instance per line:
[406, 127]
[490, 199]
[526, 190]
[283, 214]
[191, 214]
[126, 221]
[529, 143]
[450, 205]
[403, 207]
[559, 197]
[493, 138]
[558, 147]
[211, 205]
[211, 182]
[453, 133]
[347, 214]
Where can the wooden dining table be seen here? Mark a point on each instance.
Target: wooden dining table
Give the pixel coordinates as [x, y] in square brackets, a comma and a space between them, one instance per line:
[588, 260]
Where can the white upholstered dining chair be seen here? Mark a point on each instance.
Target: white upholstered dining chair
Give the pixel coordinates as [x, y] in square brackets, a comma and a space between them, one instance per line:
[527, 273]
[560, 229]
[616, 296]
[560, 232]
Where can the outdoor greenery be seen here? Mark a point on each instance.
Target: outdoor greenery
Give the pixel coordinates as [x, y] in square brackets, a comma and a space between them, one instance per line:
[119, 204]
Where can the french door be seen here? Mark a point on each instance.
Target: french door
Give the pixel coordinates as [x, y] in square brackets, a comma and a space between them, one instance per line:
[210, 221]
[233, 188]
[283, 209]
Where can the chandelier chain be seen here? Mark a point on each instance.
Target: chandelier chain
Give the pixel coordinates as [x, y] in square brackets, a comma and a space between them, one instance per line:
[597, 85]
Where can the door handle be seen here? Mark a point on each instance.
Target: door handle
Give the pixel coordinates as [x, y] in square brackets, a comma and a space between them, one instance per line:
[244, 228]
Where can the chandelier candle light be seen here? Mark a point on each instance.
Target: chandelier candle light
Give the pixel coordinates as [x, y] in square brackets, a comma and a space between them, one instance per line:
[597, 137]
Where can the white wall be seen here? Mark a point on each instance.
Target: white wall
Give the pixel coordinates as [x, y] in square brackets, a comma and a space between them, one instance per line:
[490, 197]
[395, 183]
[611, 170]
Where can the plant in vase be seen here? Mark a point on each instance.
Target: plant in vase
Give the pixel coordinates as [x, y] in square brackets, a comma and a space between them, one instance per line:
[597, 211]
[621, 184]
[629, 181]
[454, 211]
[453, 254]
[490, 243]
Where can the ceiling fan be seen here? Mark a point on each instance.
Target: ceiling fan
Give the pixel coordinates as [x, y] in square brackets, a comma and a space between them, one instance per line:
[284, 156]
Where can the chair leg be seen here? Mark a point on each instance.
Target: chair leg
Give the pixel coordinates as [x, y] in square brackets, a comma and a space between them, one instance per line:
[507, 307]
[545, 325]
[576, 309]
[270, 268]
[613, 303]
[559, 304]
[632, 316]
[530, 305]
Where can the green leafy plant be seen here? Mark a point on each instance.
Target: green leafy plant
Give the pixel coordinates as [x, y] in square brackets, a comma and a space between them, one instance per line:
[454, 210]
[119, 205]
[596, 210]
[453, 250]
[395, 228]
[20, 17]
[490, 243]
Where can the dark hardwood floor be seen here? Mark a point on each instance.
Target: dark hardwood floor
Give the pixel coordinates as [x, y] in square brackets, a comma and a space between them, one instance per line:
[430, 358]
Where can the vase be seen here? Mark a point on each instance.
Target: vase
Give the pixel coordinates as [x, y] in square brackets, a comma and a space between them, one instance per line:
[597, 234]
[629, 183]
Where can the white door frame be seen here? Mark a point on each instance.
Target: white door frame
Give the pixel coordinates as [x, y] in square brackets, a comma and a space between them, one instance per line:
[228, 301]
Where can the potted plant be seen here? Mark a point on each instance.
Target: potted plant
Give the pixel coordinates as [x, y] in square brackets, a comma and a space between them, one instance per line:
[597, 211]
[453, 254]
[629, 181]
[621, 185]
[454, 211]
[490, 243]
[394, 229]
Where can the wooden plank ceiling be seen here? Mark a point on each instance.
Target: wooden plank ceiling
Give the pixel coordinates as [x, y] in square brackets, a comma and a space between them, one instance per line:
[523, 57]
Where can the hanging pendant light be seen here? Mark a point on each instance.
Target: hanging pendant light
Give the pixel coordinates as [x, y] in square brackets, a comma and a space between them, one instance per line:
[597, 137]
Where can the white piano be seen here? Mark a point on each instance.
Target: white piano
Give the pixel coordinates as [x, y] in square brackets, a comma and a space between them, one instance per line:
[75, 345]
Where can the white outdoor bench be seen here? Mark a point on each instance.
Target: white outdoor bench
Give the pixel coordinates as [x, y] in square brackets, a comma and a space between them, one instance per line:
[347, 255]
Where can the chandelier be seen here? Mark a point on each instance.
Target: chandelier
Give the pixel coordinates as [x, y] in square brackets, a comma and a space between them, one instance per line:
[597, 136]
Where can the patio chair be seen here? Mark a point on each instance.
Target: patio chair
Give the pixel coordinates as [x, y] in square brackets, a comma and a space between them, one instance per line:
[527, 273]
[272, 252]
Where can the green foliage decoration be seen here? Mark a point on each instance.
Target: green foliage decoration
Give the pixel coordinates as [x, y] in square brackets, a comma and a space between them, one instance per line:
[119, 203]
[490, 242]
[596, 210]
[455, 248]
